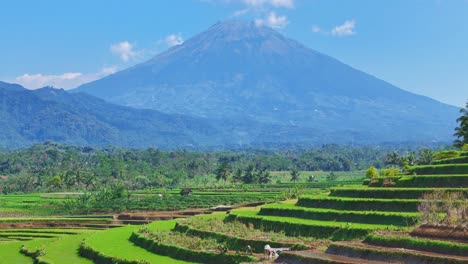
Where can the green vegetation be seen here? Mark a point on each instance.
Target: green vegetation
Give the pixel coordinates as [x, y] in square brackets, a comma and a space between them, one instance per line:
[463, 159]
[97, 246]
[10, 253]
[190, 248]
[65, 248]
[461, 132]
[387, 193]
[372, 172]
[447, 154]
[380, 254]
[53, 167]
[427, 181]
[292, 226]
[359, 204]
[330, 205]
[236, 235]
[440, 169]
[371, 217]
[164, 203]
[443, 247]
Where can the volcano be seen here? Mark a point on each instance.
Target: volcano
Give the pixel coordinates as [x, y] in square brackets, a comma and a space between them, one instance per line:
[239, 73]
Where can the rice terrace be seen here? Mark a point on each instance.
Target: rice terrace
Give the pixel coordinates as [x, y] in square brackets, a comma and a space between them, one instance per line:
[228, 131]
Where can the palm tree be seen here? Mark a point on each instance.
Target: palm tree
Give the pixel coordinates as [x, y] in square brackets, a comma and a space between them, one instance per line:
[237, 177]
[294, 174]
[249, 174]
[393, 159]
[410, 158]
[223, 171]
[263, 176]
[461, 132]
[425, 156]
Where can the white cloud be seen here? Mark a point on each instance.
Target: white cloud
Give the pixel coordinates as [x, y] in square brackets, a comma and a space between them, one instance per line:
[124, 50]
[66, 80]
[273, 3]
[316, 29]
[174, 39]
[258, 6]
[346, 29]
[273, 21]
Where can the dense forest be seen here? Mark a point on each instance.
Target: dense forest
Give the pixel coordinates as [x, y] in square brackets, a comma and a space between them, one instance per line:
[56, 167]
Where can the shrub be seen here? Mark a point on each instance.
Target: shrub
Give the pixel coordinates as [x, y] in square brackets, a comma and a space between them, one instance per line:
[389, 172]
[372, 172]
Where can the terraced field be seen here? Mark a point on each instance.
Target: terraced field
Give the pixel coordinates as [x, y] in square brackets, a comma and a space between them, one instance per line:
[347, 224]
[388, 214]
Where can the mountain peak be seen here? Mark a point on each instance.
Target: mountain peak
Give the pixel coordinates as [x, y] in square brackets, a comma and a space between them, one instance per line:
[237, 30]
[236, 70]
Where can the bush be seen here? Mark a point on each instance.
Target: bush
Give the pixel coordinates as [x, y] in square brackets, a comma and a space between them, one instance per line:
[372, 172]
[389, 172]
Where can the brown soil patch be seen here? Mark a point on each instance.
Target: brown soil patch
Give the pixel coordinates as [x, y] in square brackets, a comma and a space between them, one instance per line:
[441, 232]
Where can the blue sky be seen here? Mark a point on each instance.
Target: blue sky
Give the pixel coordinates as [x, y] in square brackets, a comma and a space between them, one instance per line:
[418, 45]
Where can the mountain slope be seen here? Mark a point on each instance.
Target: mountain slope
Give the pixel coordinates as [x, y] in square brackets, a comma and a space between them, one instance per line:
[52, 114]
[236, 71]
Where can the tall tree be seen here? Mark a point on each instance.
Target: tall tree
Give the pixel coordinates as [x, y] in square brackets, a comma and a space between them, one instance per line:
[263, 176]
[249, 174]
[294, 174]
[223, 171]
[461, 132]
[237, 177]
[425, 156]
[393, 159]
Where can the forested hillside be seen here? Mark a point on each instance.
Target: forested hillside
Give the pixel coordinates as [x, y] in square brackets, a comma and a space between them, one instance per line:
[53, 167]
